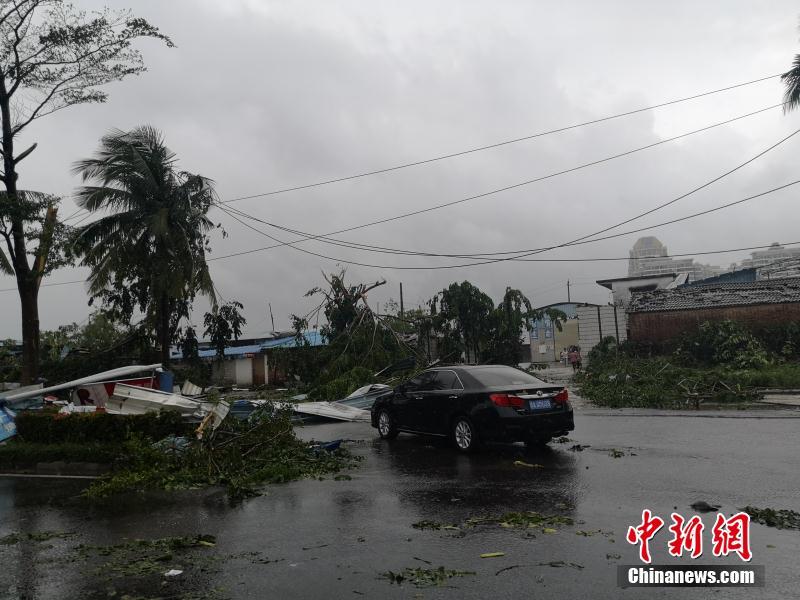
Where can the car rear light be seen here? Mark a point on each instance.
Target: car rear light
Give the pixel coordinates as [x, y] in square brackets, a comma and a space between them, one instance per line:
[561, 397]
[507, 400]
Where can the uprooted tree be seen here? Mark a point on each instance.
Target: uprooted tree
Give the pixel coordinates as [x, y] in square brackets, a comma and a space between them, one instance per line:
[360, 341]
[52, 56]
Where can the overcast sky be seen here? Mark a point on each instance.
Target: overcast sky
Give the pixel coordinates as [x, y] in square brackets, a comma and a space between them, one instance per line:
[262, 95]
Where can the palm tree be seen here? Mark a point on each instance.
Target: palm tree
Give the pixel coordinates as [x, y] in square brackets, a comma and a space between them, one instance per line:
[791, 80]
[148, 252]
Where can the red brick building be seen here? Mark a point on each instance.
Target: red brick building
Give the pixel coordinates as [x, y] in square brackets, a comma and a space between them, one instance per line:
[661, 315]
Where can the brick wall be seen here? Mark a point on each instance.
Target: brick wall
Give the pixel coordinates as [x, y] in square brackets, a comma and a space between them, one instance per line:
[657, 327]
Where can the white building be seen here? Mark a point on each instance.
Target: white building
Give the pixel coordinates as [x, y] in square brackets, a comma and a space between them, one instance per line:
[649, 257]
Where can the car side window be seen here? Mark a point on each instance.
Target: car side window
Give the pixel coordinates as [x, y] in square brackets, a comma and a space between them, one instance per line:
[447, 380]
[421, 383]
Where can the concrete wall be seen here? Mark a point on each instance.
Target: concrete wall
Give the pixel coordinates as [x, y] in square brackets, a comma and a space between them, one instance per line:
[549, 349]
[597, 322]
[659, 327]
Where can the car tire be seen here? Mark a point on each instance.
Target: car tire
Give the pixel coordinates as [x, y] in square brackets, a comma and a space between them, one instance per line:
[463, 434]
[387, 428]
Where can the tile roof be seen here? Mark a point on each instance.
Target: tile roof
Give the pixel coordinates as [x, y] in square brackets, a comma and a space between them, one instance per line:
[768, 291]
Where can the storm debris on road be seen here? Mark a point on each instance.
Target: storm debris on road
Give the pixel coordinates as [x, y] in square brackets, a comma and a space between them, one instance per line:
[579, 447]
[702, 506]
[492, 554]
[422, 578]
[520, 463]
[780, 519]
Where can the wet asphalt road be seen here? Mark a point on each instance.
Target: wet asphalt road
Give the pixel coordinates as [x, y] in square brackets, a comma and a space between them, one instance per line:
[334, 539]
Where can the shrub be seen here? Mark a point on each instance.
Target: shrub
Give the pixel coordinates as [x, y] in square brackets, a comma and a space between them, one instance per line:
[723, 343]
[47, 428]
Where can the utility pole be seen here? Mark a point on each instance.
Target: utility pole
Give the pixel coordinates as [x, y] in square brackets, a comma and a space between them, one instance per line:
[402, 311]
[568, 296]
[271, 317]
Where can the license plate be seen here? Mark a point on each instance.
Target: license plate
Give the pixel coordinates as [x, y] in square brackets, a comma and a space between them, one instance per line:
[540, 404]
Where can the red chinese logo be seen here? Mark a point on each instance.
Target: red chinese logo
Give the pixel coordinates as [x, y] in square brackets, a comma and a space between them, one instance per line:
[729, 535]
[732, 535]
[686, 535]
[643, 533]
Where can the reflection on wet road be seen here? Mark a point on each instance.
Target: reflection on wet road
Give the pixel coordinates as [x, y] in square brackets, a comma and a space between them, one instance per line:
[334, 539]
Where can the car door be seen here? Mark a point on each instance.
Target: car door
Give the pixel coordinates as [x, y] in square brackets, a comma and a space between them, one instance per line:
[438, 403]
[407, 400]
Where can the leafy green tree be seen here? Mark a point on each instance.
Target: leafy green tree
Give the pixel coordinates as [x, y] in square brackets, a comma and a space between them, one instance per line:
[148, 253]
[190, 346]
[462, 321]
[52, 56]
[224, 324]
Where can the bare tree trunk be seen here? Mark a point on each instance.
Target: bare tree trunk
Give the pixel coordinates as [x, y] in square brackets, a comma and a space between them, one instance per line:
[27, 283]
[29, 301]
[163, 329]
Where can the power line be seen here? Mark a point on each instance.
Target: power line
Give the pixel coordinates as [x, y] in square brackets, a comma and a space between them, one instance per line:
[49, 285]
[506, 188]
[595, 259]
[477, 256]
[521, 256]
[498, 144]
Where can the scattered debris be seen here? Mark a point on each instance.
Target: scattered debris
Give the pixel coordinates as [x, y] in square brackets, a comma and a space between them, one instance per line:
[562, 440]
[579, 447]
[519, 463]
[508, 569]
[548, 530]
[702, 506]
[8, 428]
[559, 564]
[332, 410]
[173, 573]
[315, 547]
[427, 562]
[492, 554]
[614, 453]
[424, 577]
[780, 519]
[613, 556]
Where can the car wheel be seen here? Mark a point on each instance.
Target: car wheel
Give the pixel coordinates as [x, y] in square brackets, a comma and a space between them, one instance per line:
[387, 428]
[464, 435]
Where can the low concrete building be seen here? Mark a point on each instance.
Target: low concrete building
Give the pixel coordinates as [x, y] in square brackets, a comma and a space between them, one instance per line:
[661, 315]
[622, 287]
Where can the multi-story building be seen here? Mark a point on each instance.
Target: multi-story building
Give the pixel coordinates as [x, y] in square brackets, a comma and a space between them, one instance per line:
[650, 258]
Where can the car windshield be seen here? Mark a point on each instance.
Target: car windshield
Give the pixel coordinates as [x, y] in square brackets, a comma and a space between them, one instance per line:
[500, 375]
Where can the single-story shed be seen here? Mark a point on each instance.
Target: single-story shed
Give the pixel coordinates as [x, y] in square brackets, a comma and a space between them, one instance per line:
[660, 315]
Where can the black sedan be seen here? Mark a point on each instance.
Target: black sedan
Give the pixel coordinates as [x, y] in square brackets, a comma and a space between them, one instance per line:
[473, 404]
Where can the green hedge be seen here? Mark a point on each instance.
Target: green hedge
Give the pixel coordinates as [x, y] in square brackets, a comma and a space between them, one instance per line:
[17, 453]
[47, 428]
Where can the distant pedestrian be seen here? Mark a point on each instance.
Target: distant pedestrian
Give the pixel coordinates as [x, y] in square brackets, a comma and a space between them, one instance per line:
[580, 358]
[573, 358]
[564, 356]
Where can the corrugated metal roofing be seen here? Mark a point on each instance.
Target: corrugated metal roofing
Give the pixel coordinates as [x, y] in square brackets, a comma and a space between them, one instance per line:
[770, 291]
